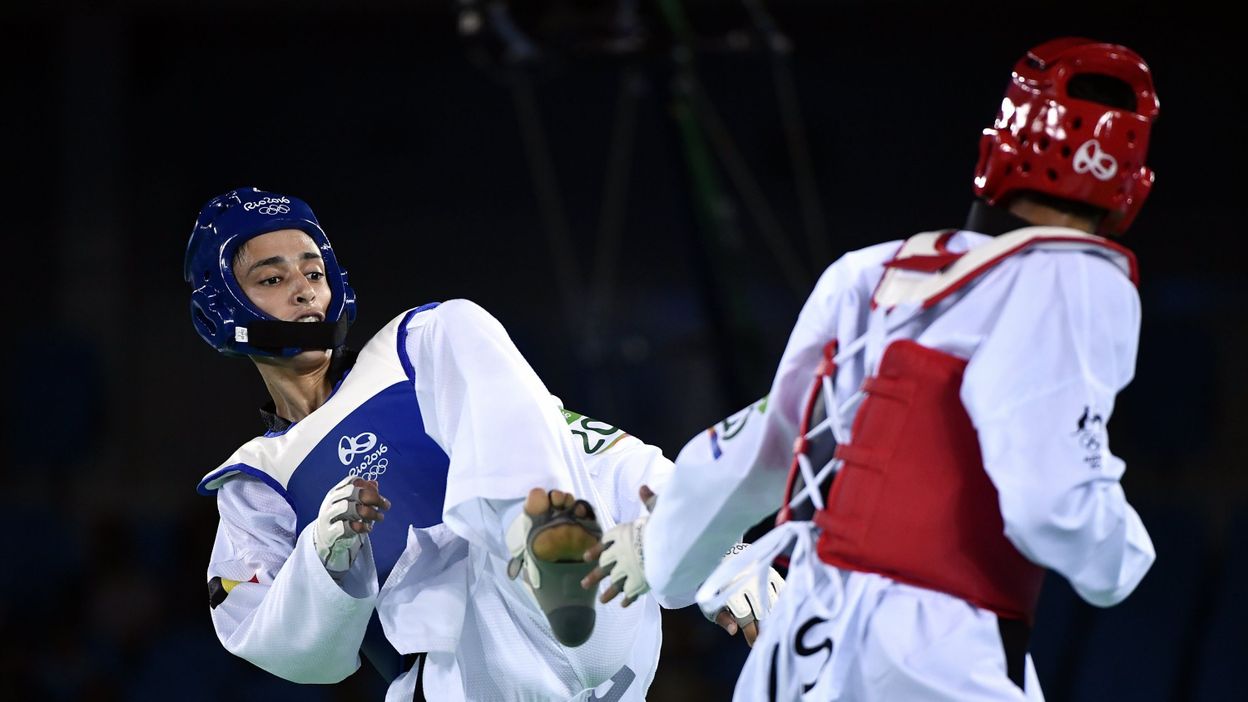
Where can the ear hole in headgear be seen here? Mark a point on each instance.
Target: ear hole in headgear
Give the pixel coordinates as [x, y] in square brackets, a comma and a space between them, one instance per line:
[204, 320]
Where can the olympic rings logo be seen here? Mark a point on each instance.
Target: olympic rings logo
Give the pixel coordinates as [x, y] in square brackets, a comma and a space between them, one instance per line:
[370, 471]
[273, 210]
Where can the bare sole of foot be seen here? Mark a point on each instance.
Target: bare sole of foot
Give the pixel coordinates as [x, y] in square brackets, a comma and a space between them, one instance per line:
[565, 543]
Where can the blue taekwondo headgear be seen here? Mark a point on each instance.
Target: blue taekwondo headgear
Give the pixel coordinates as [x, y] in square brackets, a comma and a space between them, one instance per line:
[222, 313]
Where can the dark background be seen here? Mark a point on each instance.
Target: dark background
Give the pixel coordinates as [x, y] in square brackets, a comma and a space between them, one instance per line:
[646, 223]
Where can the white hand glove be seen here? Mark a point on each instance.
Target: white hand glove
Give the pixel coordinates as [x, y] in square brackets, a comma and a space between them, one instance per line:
[336, 542]
[624, 558]
[517, 541]
[746, 605]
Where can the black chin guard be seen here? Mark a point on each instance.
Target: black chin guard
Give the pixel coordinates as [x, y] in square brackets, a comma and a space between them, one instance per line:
[293, 337]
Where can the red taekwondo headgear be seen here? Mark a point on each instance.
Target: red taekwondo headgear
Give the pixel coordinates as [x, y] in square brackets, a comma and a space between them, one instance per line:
[1058, 134]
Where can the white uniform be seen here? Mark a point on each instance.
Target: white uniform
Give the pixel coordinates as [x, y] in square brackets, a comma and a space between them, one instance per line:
[1049, 336]
[448, 593]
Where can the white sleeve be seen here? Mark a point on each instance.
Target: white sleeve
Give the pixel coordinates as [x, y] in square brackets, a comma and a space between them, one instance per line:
[1040, 389]
[732, 475]
[486, 407]
[629, 466]
[295, 621]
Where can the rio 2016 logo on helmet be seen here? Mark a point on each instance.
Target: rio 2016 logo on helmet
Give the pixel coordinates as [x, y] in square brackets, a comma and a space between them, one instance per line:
[1055, 135]
[222, 313]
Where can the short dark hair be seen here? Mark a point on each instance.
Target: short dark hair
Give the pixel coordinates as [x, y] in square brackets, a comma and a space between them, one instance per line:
[238, 253]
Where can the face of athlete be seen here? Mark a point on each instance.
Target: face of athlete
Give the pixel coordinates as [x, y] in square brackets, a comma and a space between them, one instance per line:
[283, 273]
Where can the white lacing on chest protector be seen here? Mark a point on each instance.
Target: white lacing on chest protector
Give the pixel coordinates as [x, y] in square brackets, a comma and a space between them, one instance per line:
[878, 329]
[736, 573]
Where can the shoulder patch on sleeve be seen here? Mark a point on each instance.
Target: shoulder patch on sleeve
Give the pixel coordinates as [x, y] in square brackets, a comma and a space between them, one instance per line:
[595, 436]
[219, 588]
[730, 427]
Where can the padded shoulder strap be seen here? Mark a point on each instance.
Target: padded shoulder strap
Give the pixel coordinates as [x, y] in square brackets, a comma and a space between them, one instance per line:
[925, 271]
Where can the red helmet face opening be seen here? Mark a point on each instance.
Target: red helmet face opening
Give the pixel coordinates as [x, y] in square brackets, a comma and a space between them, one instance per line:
[1074, 124]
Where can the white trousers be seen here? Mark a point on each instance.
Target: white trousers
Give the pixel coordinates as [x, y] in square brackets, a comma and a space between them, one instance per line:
[861, 637]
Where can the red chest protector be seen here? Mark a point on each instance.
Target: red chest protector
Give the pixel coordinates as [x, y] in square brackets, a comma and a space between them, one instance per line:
[911, 500]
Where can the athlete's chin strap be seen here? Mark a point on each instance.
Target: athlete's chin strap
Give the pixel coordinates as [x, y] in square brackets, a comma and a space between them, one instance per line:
[272, 335]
